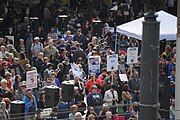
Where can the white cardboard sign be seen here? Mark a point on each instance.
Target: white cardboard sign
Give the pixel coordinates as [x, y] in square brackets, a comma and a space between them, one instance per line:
[112, 62]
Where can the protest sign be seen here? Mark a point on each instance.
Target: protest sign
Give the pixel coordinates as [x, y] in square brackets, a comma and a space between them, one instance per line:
[94, 64]
[123, 77]
[132, 55]
[31, 79]
[112, 62]
[76, 70]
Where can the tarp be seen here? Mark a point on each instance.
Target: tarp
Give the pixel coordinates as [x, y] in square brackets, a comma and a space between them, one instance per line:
[168, 27]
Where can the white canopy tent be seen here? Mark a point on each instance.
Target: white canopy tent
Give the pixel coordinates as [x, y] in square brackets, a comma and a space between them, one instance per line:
[168, 27]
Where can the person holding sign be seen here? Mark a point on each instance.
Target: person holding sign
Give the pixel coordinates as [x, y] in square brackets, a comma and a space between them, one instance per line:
[93, 81]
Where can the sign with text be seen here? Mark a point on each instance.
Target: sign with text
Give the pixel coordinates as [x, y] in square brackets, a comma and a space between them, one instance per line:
[76, 70]
[112, 62]
[123, 77]
[132, 55]
[31, 79]
[94, 64]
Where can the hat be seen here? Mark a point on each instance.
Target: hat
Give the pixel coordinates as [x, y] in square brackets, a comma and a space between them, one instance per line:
[7, 74]
[21, 84]
[94, 87]
[36, 38]
[3, 81]
[49, 64]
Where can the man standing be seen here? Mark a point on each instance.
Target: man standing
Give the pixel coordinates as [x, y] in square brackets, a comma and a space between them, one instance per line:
[30, 105]
[36, 48]
[134, 85]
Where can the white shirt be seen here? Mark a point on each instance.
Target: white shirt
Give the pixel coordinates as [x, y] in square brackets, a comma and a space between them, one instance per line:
[108, 96]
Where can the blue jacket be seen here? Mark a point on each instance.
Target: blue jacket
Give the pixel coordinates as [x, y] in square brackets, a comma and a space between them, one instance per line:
[30, 106]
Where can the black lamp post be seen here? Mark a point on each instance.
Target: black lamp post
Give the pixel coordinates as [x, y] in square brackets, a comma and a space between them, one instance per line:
[150, 65]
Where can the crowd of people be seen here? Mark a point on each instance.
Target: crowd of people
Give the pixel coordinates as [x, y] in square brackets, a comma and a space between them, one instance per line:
[51, 49]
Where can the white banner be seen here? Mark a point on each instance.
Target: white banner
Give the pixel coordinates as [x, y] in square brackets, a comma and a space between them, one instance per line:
[132, 55]
[123, 77]
[94, 64]
[31, 79]
[112, 62]
[76, 70]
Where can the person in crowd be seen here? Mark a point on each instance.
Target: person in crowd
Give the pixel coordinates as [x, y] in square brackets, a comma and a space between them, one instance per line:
[11, 49]
[172, 109]
[30, 104]
[78, 53]
[66, 65]
[23, 60]
[133, 43]
[91, 117]
[20, 93]
[36, 48]
[4, 68]
[55, 80]
[93, 81]
[41, 102]
[39, 62]
[21, 47]
[126, 96]
[172, 79]
[52, 34]
[134, 86]
[111, 98]
[95, 99]
[4, 91]
[4, 114]
[48, 70]
[78, 116]
[90, 111]
[17, 66]
[53, 61]
[79, 37]
[78, 83]
[50, 49]
[59, 71]
[16, 82]
[131, 113]
[123, 42]
[109, 115]
[102, 114]
[3, 52]
[74, 109]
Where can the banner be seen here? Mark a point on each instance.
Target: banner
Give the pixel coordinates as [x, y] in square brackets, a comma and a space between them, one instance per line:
[76, 70]
[94, 64]
[123, 77]
[112, 62]
[31, 79]
[132, 55]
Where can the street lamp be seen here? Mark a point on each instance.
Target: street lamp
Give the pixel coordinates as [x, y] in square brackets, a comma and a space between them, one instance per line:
[150, 65]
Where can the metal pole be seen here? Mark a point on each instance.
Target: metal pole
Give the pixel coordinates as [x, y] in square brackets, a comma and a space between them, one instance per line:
[150, 66]
[177, 82]
[115, 31]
